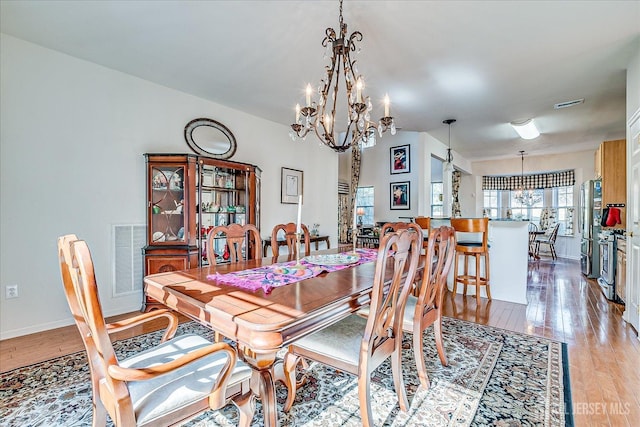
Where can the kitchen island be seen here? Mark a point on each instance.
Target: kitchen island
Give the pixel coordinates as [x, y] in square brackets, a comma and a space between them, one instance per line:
[508, 260]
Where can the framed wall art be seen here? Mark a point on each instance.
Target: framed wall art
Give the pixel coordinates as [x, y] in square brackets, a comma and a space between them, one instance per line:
[400, 195]
[400, 159]
[291, 185]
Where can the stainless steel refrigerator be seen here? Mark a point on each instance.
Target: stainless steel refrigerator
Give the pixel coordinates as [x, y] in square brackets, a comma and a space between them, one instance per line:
[590, 215]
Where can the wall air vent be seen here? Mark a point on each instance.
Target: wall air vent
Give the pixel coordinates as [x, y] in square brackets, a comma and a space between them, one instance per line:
[568, 103]
[127, 243]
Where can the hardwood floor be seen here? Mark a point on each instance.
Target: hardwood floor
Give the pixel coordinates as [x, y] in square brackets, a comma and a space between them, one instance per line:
[604, 351]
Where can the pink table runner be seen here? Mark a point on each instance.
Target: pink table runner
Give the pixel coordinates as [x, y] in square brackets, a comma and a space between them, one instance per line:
[281, 274]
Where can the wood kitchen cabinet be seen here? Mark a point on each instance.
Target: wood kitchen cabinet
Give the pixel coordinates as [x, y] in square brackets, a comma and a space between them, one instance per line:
[611, 166]
[188, 195]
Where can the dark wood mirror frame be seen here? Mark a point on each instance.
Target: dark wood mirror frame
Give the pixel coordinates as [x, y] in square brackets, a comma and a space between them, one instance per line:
[217, 142]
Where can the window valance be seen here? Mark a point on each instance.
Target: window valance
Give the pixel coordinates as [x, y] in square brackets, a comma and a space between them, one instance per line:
[538, 180]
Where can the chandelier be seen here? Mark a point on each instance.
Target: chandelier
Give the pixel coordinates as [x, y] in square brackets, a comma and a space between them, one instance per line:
[524, 196]
[320, 115]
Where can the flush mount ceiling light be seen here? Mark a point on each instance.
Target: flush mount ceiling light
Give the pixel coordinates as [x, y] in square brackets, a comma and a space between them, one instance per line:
[526, 129]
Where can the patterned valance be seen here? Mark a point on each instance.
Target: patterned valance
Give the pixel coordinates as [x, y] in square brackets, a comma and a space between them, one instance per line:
[538, 180]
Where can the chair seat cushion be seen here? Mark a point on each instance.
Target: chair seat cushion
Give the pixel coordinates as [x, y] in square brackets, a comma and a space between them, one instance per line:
[472, 244]
[341, 340]
[155, 398]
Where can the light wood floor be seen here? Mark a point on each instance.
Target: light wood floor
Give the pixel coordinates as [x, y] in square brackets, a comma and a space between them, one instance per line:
[604, 352]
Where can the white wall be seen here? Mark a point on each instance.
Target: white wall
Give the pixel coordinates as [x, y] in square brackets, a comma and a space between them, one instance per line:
[582, 162]
[376, 171]
[72, 138]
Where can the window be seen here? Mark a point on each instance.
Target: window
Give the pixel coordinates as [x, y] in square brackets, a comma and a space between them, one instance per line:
[436, 199]
[559, 199]
[491, 203]
[563, 201]
[364, 199]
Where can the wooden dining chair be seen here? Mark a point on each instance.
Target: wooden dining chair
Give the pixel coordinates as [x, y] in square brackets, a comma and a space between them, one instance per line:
[388, 227]
[395, 226]
[358, 345]
[533, 233]
[239, 239]
[549, 240]
[163, 385]
[289, 231]
[425, 309]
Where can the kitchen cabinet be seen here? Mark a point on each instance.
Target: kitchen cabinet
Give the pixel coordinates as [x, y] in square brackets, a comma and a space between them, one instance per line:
[611, 166]
[188, 195]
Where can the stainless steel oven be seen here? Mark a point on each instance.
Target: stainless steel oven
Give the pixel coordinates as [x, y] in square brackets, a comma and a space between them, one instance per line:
[607, 242]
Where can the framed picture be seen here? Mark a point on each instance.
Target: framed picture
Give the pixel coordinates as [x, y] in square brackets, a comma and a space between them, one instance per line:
[291, 185]
[400, 160]
[399, 195]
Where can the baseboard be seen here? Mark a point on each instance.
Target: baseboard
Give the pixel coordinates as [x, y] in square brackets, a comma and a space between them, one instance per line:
[42, 327]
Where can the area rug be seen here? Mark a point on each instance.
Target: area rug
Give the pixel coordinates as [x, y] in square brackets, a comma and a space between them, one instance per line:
[494, 377]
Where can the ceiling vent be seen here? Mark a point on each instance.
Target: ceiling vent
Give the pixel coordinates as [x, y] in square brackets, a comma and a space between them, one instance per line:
[568, 103]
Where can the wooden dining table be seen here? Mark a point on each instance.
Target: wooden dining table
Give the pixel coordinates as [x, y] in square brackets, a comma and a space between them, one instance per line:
[262, 323]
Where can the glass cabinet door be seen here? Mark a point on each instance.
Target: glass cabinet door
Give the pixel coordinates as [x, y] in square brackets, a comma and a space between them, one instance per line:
[167, 219]
[222, 200]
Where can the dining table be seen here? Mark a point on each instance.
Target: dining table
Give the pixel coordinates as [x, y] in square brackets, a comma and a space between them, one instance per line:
[264, 318]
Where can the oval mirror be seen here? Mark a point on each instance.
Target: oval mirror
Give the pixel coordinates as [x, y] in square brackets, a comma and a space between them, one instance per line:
[210, 138]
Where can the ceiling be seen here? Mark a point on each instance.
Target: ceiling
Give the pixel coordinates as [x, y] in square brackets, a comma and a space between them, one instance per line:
[485, 63]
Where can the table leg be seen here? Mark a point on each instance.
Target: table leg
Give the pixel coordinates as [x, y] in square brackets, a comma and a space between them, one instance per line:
[263, 382]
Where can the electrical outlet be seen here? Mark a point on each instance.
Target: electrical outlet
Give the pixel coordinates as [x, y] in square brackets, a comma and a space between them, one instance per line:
[11, 291]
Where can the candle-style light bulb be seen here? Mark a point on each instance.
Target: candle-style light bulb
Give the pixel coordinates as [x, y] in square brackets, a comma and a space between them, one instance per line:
[386, 105]
[297, 113]
[298, 223]
[359, 86]
[308, 95]
[327, 121]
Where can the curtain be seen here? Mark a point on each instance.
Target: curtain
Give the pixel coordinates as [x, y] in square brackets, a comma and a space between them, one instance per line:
[533, 181]
[455, 190]
[356, 158]
[343, 217]
[548, 219]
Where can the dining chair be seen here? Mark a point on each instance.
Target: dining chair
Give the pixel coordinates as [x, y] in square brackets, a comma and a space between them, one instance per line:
[549, 240]
[533, 230]
[388, 227]
[425, 309]
[163, 385]
[395, 226]
[358, 345]
[239, 238]
[289, 231]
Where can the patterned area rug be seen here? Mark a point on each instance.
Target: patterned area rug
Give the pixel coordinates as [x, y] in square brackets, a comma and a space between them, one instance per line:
[494, 377]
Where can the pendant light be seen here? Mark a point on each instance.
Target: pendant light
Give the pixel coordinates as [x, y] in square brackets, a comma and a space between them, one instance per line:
[449, 155]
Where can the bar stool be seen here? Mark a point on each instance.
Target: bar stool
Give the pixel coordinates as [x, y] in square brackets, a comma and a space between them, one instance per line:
[425, 223]
[478, 249]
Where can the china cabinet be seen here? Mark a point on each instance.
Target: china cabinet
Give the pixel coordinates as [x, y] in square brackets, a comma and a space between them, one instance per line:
[188, 195]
